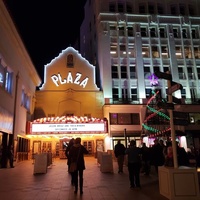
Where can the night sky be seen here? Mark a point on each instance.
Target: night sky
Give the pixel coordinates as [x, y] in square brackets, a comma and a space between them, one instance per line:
[46, 26]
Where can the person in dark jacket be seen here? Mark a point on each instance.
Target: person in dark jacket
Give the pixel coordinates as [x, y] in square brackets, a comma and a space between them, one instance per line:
[182, 156]
[10, 155]
[134, 164]
[119, 151]
[71, 143]
[157, 157]
[76, 154]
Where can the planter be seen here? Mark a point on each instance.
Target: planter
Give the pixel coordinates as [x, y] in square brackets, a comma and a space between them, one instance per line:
[179, 184]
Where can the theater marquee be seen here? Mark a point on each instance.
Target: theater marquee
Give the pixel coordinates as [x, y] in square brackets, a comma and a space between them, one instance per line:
[67, 125]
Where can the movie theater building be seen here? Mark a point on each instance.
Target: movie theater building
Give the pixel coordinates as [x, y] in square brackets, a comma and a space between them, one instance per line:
[68, 105]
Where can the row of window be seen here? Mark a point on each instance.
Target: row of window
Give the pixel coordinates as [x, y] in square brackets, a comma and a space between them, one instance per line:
[132, 95]
[155, 31]
[152, 8]
[190, 71]
[156, 51]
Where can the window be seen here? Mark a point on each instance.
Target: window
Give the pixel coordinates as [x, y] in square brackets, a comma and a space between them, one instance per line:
[183, 93]
[173, 10]
[156, 68]
[132, 72]
[198, 73]
[184, 33]
[145, 52]
[162, 32]
[146, 72]
[188, 52]
[129, 8]
[130, 31]
[160, 9]
[131, 51]
[196, 52]
[164, 52]
[112, 7]
[6, 79]
[143, 32]
[123, 72]
[175, 32]
[182, 9]
[191, 10]
[25, 100]
[166, 68]
[113, 30]
[113, 49]
[195, 33]
[124, 94]
[70, 61]
[134, 96]
[155, 52]
[153, 32]
[120, 7]
[115, 93]
[190, 73]
[125, 118]
[122, 48]
[121, 31]
[114, 72]
[179, 53]
[142, 9]
[181, 73]
[148, 92]
[151, 8]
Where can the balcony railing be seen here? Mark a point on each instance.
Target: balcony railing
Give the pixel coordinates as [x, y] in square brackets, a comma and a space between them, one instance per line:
[128, 101]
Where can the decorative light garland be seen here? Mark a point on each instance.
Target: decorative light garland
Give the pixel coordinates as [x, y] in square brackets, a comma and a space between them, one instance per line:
[154, 113]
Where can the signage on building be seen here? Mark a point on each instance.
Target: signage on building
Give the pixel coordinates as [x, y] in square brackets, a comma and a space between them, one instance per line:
[65, 124]
[63, 128]
[77, 79]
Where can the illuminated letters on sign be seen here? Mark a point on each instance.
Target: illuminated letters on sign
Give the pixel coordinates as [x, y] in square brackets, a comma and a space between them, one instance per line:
[58, 80]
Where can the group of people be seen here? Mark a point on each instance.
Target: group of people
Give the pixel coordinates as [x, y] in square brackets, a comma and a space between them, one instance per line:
[140, 159]
[75, 154]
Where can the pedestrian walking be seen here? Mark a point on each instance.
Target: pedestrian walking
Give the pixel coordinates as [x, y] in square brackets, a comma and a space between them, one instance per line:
[76, 154]
[134, 164]
[71, 143]
[146, 157]
[10, 155]
[119, 152]
[158, 158]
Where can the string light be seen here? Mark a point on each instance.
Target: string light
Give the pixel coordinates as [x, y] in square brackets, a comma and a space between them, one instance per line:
[153, 131]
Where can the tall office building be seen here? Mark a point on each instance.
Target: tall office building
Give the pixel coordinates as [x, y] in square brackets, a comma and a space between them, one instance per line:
[128, 41]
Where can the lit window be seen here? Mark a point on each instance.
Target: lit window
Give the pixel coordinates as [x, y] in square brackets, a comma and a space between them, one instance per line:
[6, 79]
[25, 100]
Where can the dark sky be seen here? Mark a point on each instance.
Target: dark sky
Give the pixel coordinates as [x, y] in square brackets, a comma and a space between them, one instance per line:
[46, 26]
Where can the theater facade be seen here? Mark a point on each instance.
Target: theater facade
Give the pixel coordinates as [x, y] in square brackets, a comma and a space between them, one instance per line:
[68, 105]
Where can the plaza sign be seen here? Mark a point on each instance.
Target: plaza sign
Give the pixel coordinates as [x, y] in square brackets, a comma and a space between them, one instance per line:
[58, 80]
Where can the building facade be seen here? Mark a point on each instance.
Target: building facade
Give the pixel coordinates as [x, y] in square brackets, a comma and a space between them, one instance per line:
[68, 105]
[18, 80]
[128, 41]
